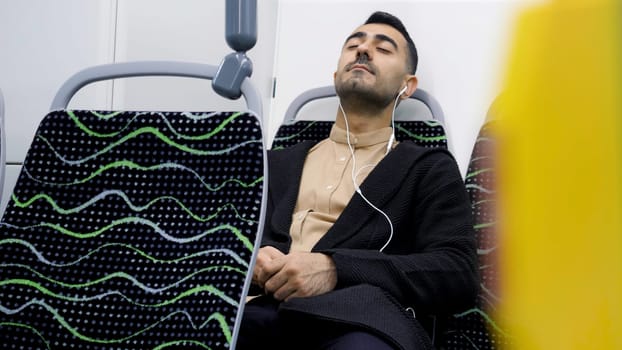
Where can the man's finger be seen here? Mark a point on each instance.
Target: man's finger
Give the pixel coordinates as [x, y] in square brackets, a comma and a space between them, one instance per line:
[286, 292]
[275, 283]
[264, 256]
[271, 252]
[270, 268]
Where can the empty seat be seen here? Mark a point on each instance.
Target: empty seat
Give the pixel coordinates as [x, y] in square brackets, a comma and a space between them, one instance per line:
[132, 230]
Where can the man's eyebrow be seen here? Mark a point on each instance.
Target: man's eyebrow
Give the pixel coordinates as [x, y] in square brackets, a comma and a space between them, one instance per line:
[379, 37]
[356, 35]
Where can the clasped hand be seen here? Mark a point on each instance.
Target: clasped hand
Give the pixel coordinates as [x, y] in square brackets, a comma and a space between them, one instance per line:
[297, 274]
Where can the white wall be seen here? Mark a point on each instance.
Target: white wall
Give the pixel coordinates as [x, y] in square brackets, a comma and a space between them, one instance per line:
[461, 44]
[42, 43]
[186, 30]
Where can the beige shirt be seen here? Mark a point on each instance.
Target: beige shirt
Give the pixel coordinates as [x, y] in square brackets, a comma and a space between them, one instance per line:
[326, 186]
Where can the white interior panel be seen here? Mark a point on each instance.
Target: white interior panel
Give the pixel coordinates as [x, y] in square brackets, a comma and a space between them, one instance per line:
[186, 30]
[43, 43]
[462, 46]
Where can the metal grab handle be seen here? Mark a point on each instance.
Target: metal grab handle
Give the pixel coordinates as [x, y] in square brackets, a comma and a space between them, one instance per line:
[148, 68]
[329, 91]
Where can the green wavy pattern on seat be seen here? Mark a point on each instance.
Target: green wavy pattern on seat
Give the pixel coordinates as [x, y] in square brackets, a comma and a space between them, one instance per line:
[477, 328]
[29, 328]
[132, 165]
[158, 134]
[134, 220]
[40, 256]
[296, 135]
[17, 283]
[131, 230]
[420, 137]
[123, 275]
[423, 132]
[75, 332]
[205, 136]
[128, 202]
[489, 320]
[179, 343]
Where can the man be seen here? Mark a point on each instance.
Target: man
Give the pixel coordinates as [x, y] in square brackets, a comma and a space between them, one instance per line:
[362, 235]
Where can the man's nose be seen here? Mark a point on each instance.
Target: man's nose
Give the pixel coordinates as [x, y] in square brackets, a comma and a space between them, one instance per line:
[362, 57]
[363, 50]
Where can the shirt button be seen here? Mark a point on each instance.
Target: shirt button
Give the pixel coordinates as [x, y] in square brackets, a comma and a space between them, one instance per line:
[329, 187]
[342, 159]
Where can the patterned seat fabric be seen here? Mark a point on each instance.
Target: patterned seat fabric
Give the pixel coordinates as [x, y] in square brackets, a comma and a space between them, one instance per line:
[476, 328]
[424, 133]
[131, 230]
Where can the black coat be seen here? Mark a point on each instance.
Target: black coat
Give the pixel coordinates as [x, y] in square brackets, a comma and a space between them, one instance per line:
[430, 264]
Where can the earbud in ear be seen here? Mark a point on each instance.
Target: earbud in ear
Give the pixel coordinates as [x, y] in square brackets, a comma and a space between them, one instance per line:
[403, 90]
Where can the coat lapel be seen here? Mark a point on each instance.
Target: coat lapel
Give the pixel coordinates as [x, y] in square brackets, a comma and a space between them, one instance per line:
[285, 173]
[379, 187]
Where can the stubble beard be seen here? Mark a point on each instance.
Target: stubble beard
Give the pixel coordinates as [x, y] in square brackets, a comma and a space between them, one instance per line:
[361, 99]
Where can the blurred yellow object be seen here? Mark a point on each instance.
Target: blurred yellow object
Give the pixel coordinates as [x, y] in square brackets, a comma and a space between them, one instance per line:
[560, 183]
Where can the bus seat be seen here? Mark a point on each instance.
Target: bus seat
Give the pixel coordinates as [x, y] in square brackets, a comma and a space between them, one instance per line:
[133, 229]
[478, 328]
[428, 133]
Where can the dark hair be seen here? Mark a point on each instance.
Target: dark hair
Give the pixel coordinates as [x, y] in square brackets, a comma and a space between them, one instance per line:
[390, 20]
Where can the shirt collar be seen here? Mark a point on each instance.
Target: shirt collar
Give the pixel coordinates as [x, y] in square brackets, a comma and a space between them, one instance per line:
[365, 139]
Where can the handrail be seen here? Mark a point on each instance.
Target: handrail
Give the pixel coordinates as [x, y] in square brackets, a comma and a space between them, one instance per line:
[329, 91]
[148, 68]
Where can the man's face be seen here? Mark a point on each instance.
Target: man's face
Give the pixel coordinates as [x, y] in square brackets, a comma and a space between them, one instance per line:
[373, 65]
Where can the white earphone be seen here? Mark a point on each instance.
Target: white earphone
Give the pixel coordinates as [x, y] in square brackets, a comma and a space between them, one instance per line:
[403, 90]
[392, 138]
[355, 174]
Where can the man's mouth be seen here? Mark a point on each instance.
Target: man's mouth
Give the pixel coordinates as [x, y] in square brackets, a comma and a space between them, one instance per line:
[360, 66]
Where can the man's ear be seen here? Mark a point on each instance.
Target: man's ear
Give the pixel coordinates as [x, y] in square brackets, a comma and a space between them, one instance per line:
[411, 86]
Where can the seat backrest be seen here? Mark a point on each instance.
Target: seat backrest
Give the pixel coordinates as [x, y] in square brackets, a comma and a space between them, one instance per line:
[478, 328]
[132, 230]
[150, 68]
[428, 133]
[424, 133]
[323, 92]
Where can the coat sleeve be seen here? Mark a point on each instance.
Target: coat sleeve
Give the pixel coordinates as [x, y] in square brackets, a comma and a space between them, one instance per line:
[438, 272]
